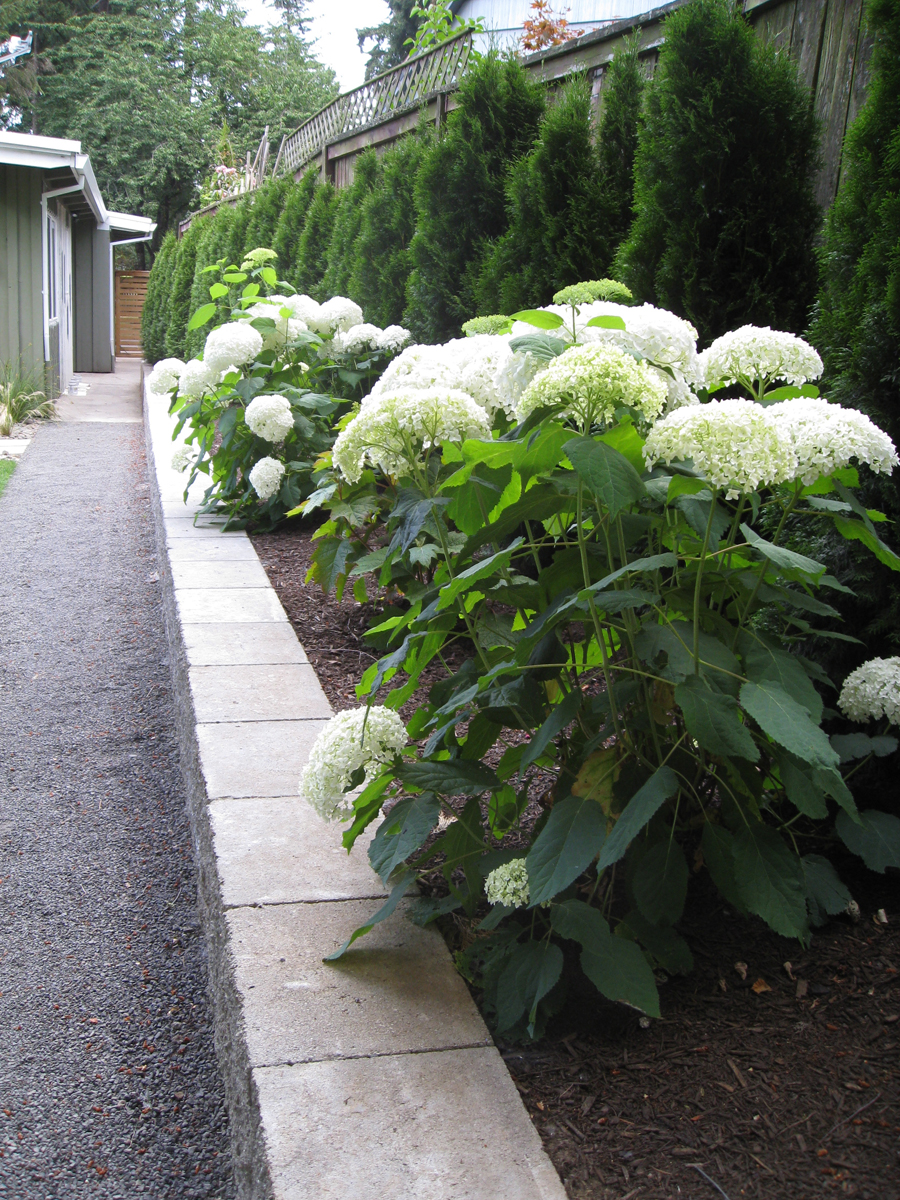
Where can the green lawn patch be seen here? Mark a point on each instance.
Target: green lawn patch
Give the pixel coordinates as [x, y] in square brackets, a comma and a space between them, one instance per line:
[7, 466]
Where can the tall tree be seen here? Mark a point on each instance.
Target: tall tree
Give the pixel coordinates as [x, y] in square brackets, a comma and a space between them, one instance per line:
[725, 215]
[388, 48]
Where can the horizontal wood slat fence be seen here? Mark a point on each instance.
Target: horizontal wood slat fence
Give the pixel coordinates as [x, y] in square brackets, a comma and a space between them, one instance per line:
[130, 294]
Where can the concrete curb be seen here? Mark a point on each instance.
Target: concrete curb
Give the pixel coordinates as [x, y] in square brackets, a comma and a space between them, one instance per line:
[373, 1076]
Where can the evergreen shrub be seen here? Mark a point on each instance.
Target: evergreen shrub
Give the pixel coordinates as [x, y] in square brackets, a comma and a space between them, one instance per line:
[725, 215]
[347, 223]
[155, 316]
[268, 201]
[460, 198]
[214, 244]
[622, 98]
[286, 243]
[381, 259]
[312, 251]
[857, 318]
[182, 282]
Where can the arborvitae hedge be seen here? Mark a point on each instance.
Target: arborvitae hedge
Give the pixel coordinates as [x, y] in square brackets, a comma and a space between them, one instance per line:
[155, 315]
[347, 220]
[214, 243]
[557, 224]
[286, 243]
[381, 261]
[268, 201]
[725, 211]
[243, 211]
[857, 321]
[460, 199]
[308, 269]
[622, 98]
[182, 283]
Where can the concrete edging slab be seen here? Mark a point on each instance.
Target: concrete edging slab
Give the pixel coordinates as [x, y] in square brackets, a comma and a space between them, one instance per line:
[375, 1075]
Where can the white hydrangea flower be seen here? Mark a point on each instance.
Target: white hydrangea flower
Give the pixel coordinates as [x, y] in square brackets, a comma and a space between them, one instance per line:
[164, 376]
[393, 338]
[196, 378]
[358, 739]
[872, 691]
[826, 437]
[182, 459]
[266, 477]
[654, 333]
[270, 417]
[338, 315]
[508, 884]
[678, 394]
[391, 429]
[287, 326]
[754, 353]
[593, 381]
[734, 443]
[483, 366]
[307, 310]
[358, 338]
[236, 343]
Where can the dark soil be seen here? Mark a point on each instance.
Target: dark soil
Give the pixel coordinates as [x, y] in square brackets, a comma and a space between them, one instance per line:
[775, 1070]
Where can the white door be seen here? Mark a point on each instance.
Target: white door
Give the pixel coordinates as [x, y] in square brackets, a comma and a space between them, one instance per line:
[65, 298]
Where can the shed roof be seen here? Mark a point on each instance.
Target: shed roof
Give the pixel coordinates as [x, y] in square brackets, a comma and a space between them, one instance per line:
[65, 166]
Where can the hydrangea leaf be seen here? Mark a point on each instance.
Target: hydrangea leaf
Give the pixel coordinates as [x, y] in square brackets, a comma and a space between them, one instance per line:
[765, 662]
[789, 560]
[669, 949]
[403, 830]
[876, 838]
[538, 318]
[770, 879]
[564, 848]
[530, 972]
[615, 966]
[787, 722]
[717, 846]
[561, 716]
[608, 474]
[401, 887]
[851, 746]
[451, 777]
[712, 719]
[825, 894]
[660, 882]
[643, 805]
[204, 313]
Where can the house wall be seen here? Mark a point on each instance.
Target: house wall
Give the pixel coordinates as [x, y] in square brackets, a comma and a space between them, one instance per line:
[21, 304]
[92, 285]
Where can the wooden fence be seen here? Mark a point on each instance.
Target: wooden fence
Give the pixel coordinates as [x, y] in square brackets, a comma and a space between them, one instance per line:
[130, 294]
[826, 38]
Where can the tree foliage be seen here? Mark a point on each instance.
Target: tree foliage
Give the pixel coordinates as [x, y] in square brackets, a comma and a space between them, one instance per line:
[725, 215]
[147, 88]
[460, 199]
[289, 230]
[388, 48]
[214, 244]
[185, 262]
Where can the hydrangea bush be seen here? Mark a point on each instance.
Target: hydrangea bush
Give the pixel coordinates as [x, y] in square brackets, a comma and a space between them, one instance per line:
[258, 403]
[635, 702]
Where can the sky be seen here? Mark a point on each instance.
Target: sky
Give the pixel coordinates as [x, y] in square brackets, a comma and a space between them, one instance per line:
[334, 24]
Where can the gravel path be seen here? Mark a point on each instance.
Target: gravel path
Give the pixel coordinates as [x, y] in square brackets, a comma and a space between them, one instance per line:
[108, 1079]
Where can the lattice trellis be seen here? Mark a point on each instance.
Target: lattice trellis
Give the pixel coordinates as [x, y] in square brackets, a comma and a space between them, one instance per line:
[394, 91]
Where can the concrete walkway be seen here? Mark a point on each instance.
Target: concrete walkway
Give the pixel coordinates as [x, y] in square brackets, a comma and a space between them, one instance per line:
[374, 1076]
[109, 1082]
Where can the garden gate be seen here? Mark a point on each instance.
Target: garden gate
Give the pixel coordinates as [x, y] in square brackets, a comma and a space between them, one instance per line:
[130, 293]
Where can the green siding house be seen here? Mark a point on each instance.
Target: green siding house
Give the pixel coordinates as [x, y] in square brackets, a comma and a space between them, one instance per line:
[56, 273]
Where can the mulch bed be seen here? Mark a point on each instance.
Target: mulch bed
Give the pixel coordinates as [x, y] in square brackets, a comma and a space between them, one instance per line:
[775, 1070]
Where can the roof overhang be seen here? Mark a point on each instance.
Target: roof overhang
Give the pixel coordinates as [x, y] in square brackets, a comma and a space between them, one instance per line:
[68, 173]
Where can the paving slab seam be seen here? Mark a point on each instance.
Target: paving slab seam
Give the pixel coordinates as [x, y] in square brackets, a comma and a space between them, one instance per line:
[306, 1047]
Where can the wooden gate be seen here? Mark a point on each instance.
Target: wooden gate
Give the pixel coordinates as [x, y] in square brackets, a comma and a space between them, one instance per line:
[130, 293]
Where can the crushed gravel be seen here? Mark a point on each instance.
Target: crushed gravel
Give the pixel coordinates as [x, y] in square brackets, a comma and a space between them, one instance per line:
[109, 1085]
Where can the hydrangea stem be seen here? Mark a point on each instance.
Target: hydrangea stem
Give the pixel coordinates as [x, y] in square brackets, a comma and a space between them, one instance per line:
[699, 581]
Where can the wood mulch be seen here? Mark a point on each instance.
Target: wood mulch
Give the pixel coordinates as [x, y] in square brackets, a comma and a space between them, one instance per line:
[775, 1070]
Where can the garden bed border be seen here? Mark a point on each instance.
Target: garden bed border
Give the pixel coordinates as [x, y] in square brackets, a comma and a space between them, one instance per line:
[373, 1076]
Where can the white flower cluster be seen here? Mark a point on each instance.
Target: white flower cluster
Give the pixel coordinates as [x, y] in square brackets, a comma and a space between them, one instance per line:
[508, 884]
[360, 338]
[825, 437]
[182, 459]
[873, 691]
[734, 443]
[164, 376]
[266, 477]
[483, 366]
[357, 739]
[593, 381]
[231, 345]
[392, 428]
[288, 326]
[339, 314]
[754, 353]
[270, 417]
[196, 378]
